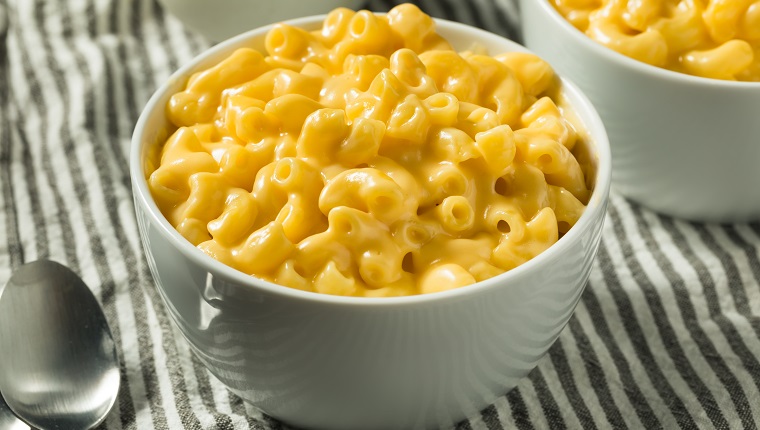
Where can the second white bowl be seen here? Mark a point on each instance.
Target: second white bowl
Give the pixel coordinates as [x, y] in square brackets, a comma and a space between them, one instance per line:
[681, 145]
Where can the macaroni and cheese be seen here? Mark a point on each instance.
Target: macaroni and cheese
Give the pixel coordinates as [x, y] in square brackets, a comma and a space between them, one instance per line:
[368, 158]
[717, 39]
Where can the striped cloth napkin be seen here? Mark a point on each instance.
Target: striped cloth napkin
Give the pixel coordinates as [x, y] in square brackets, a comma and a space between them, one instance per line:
[666, 335]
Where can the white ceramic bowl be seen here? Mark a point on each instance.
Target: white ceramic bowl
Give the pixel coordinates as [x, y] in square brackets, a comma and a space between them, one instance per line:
[682, 145]
[220, 19]
[324, 361]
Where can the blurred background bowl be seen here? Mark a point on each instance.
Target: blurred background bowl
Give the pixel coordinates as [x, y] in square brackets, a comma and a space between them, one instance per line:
[218, 20]
[322, 361]
[682, 145]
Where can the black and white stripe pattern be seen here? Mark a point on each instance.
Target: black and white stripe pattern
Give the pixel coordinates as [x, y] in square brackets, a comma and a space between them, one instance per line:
[666, 335]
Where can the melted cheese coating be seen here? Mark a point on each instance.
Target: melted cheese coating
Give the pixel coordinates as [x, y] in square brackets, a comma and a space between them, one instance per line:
[717, 39]
[368, 158]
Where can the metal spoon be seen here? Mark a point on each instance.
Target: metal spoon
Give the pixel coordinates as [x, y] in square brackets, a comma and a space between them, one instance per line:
[58, 363]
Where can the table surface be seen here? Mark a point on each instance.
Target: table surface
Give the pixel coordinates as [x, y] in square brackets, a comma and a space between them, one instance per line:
[667, 333]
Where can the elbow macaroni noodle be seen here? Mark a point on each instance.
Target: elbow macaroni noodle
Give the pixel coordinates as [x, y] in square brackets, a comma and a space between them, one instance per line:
[717, 39]
[370, 159]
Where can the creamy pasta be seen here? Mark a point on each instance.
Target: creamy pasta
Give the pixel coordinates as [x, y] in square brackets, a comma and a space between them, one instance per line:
[717, 39]
[368, 158]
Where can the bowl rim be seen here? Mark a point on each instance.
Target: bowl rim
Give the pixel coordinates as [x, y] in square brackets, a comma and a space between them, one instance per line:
[582, 107]
[639, 66]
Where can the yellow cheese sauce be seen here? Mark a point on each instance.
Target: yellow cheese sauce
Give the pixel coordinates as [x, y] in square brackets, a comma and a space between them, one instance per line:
[368, 158]
[717, 39]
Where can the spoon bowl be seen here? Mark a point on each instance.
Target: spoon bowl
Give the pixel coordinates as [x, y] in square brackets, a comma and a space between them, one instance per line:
[59, 364]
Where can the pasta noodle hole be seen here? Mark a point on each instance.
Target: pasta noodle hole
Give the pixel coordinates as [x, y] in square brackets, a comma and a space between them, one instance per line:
[407, 264]
[358, 25]
[345, 226]
[282, 172]
[276, 38]
[500, 186]
[299, 269]
[382, 202]
[439, 102]
[460, 213]
[503, 226]
[545, 160]
[341, 222]
[417, 235]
